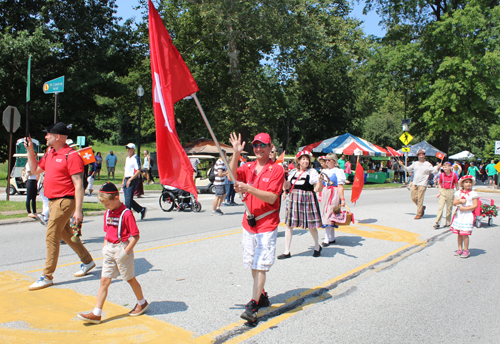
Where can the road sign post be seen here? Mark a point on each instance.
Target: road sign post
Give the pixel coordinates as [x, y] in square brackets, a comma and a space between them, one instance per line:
[55, 86]
[11, 120]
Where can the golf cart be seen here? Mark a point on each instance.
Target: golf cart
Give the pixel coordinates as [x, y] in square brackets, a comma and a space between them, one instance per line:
[17, 184]
[202, 181]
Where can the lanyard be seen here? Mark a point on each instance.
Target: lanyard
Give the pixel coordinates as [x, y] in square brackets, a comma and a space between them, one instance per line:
[296, 180]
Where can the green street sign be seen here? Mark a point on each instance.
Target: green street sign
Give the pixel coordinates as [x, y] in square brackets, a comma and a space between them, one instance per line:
[80, 140]
[54, 86]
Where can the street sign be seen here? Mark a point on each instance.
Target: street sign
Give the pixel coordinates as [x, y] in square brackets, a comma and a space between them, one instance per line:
[406, 138]
[54, 86]
[497, 147]
[6, 118]
[497, 167]
[405, 149]
[80, 140]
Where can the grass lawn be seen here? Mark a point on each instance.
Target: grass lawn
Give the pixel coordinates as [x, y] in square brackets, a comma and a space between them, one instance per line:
[375, 186]
[120, 152]
[11, 206]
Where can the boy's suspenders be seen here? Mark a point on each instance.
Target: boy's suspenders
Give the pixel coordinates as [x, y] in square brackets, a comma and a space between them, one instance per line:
[119, 223]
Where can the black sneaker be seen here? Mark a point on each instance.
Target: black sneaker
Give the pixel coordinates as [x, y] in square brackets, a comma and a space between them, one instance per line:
[264, 301]
[250, 313]
[143, 213]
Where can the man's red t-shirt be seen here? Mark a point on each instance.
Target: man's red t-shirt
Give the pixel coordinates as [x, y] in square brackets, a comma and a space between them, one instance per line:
[111, 221]
[58, 171]
[271, 179]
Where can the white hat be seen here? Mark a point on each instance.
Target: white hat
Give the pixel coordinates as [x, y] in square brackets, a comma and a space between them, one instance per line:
[464, 178]
[130, 145]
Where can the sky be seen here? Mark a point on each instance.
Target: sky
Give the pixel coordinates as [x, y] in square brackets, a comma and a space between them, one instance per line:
[370, 24]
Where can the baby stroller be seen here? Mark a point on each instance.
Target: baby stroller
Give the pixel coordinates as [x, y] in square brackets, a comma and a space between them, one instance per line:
[485, 208]
[172, 197]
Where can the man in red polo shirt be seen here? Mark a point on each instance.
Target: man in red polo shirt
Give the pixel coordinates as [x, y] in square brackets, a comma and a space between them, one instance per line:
[261, 182]
[63, 186]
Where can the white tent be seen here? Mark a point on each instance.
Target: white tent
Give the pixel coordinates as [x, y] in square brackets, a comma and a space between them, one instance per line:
[462, 156]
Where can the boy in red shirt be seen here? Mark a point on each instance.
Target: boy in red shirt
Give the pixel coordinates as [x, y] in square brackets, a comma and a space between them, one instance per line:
[447, 183]
[121, 236]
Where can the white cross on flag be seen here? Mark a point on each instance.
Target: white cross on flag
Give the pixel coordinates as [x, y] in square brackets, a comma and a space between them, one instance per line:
[87, 155]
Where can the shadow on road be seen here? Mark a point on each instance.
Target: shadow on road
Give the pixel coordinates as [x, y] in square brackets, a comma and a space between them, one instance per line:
[166, 307]
[476, 252]
[367, 221]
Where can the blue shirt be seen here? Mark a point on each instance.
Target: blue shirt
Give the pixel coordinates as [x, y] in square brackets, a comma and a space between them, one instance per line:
[111, 160]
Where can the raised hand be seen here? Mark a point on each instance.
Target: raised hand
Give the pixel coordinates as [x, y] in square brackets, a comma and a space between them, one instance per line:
[236, 142]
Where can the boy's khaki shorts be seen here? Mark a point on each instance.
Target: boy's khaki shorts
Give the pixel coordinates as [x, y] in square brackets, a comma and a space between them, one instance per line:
[115, 260]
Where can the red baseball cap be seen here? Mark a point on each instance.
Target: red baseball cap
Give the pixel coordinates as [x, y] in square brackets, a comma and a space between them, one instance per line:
[262, 137]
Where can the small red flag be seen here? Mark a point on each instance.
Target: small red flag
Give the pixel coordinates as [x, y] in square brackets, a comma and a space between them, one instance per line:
[87, 155]
[172, 82]
[281, 158]
[440, 155]
[359, 182]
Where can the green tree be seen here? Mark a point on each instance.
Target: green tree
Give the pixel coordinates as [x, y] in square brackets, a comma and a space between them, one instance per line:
[446, 54]
[223, 44]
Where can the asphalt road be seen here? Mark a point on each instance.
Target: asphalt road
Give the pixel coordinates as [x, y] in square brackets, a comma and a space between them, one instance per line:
[389, 279]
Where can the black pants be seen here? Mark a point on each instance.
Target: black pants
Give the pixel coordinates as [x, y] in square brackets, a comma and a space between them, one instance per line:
[31, 195]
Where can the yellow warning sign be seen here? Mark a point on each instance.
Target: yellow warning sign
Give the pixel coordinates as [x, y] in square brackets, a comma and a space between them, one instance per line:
[406, 138]
[405, 149]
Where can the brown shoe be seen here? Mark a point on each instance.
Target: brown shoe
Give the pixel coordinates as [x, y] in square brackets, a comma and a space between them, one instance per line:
[418, 217]
[90, 317]
[138, 309]
[423, 210]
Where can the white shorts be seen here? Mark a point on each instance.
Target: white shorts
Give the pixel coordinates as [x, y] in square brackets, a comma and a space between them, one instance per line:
[91, 183]
[115, 260]
[259, 250]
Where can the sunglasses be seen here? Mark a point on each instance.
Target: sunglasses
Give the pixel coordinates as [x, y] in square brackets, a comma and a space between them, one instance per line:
[261, 145]
[329, 160]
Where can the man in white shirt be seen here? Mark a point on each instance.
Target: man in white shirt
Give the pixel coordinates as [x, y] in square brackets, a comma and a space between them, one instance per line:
[421, 170]
[130, 180]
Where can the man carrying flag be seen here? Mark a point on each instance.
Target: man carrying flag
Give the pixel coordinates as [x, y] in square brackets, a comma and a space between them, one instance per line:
[172, 82]
[421, 170]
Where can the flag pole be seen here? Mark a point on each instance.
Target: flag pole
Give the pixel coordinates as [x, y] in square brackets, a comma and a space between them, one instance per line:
[28, 98]
[217, 144]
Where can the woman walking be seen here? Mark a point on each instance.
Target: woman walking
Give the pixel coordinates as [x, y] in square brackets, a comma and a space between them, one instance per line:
[303, 208]
[332, 195]
[31, 191]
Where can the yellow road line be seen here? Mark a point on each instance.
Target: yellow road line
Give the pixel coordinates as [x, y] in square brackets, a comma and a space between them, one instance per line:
[49, 316]
[273, 321]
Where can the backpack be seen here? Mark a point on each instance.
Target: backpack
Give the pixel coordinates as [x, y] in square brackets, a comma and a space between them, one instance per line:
[211, 175]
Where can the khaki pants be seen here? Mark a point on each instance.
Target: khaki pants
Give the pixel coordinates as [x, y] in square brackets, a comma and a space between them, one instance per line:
[59, 228]
[417, 196]
[445, 197]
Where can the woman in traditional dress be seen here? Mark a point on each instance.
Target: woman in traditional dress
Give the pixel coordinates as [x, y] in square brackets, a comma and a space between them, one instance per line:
[333, 179]
[303, 208]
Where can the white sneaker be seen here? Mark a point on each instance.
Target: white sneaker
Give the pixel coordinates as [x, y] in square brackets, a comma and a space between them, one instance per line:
[84, 269]
[43, 282]
[41, 217]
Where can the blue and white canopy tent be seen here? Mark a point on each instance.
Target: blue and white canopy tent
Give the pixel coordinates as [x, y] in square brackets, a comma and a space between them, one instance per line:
[428, 148]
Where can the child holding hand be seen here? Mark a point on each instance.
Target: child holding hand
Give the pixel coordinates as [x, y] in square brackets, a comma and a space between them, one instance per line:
[122, 235]
[466, 200]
